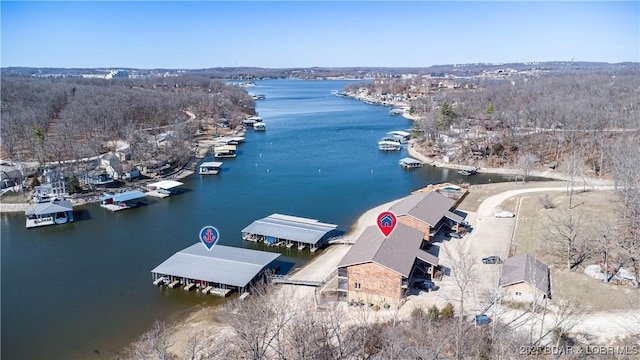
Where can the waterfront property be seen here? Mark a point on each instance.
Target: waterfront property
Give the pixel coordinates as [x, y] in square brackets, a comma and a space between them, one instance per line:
[163, 188]
[290, 231]
[53, 212]
[525, 278]
[427, 212]
[210, 168]
[379, 270]
[217, 271]
[224, 151]
[410, 163]
[122, 201]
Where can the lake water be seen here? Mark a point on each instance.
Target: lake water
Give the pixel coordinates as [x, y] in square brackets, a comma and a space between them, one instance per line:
[83, 290]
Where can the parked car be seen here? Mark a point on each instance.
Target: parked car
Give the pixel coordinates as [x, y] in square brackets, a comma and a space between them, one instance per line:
[427, 285]
[492, 260]
[504, 214]
[482, 319]
[456, 235]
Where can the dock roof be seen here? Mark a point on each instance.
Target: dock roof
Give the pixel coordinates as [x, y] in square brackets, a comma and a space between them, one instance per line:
[396, 252]
[211, 164]
[52, 207]
[308, 231]
[165, 184]
[125, 196]
[409, 160]
[222, 264]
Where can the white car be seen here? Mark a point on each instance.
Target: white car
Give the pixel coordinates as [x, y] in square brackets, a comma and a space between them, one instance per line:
[504, 214]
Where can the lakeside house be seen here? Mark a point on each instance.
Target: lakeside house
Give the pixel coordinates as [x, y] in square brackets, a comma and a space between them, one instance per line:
[379, 270]
[427, 212]
[525, 278]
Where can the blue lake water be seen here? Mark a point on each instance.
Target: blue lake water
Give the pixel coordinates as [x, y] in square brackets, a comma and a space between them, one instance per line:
[83, 290]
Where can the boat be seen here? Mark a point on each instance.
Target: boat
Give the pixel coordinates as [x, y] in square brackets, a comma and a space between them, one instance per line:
[468, 172]
[394, 112]
[388, 146]
[338, 93]
[258, 97]
[210, 168]
[54, 212]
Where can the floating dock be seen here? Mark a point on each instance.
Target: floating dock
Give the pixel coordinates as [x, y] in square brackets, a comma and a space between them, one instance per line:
[122, 201]
[410, 163]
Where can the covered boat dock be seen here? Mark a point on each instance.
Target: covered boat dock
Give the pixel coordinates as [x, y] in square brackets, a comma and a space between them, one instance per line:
[410, 163]
[49, 213]
[217, 271]
[278, 229]
[210, 167]
[163, 188]
[126, 200]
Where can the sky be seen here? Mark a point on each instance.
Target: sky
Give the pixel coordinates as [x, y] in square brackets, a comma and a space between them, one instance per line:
[283, 34]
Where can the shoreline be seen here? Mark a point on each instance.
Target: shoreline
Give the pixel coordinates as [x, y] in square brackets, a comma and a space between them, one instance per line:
[201, 149]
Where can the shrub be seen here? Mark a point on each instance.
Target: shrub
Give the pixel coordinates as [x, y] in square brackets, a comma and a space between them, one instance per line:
[448, 312]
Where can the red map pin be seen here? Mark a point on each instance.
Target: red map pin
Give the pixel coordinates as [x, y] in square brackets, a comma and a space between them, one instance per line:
[386, 222]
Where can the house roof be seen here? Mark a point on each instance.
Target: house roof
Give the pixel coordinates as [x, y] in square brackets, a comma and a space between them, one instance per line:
[52, 207]
[396, 252]
[428, 207]
[525, 268]
[308, 231]
[222, 264]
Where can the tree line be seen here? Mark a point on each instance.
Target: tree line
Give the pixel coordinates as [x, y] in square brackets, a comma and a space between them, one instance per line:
[52, 120]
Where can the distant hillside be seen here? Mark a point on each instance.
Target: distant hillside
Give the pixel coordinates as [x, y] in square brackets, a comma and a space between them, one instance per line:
[254, 73]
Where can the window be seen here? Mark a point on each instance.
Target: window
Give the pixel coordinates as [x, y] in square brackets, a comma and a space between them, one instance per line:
[357, 286]
[518, 293]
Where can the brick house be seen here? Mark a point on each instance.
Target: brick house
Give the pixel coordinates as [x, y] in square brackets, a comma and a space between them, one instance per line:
[379, 269]
[427, 212]
[525, 278]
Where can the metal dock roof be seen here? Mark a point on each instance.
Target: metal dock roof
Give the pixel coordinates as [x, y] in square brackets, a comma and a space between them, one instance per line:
[52, 207]
[125, 196]
[211, 164]
[308, 231]
[222, 264]
[165, 184]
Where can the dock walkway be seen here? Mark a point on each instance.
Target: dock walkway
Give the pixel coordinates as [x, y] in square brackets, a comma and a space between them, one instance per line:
[284, 279]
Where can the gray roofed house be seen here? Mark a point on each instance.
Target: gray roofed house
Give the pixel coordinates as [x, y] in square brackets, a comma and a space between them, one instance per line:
[381, 268]
[290, 229]
[222, 265]
[431, 209]
[525, 278]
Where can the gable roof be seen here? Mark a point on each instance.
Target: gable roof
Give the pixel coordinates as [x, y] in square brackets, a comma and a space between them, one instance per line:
[295, 228]
[525, 268]
[51, 207]
[222, 264]
[396, 252]
[428, 207]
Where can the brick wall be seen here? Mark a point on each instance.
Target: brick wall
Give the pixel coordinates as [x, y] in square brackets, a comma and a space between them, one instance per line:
[375, 282]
